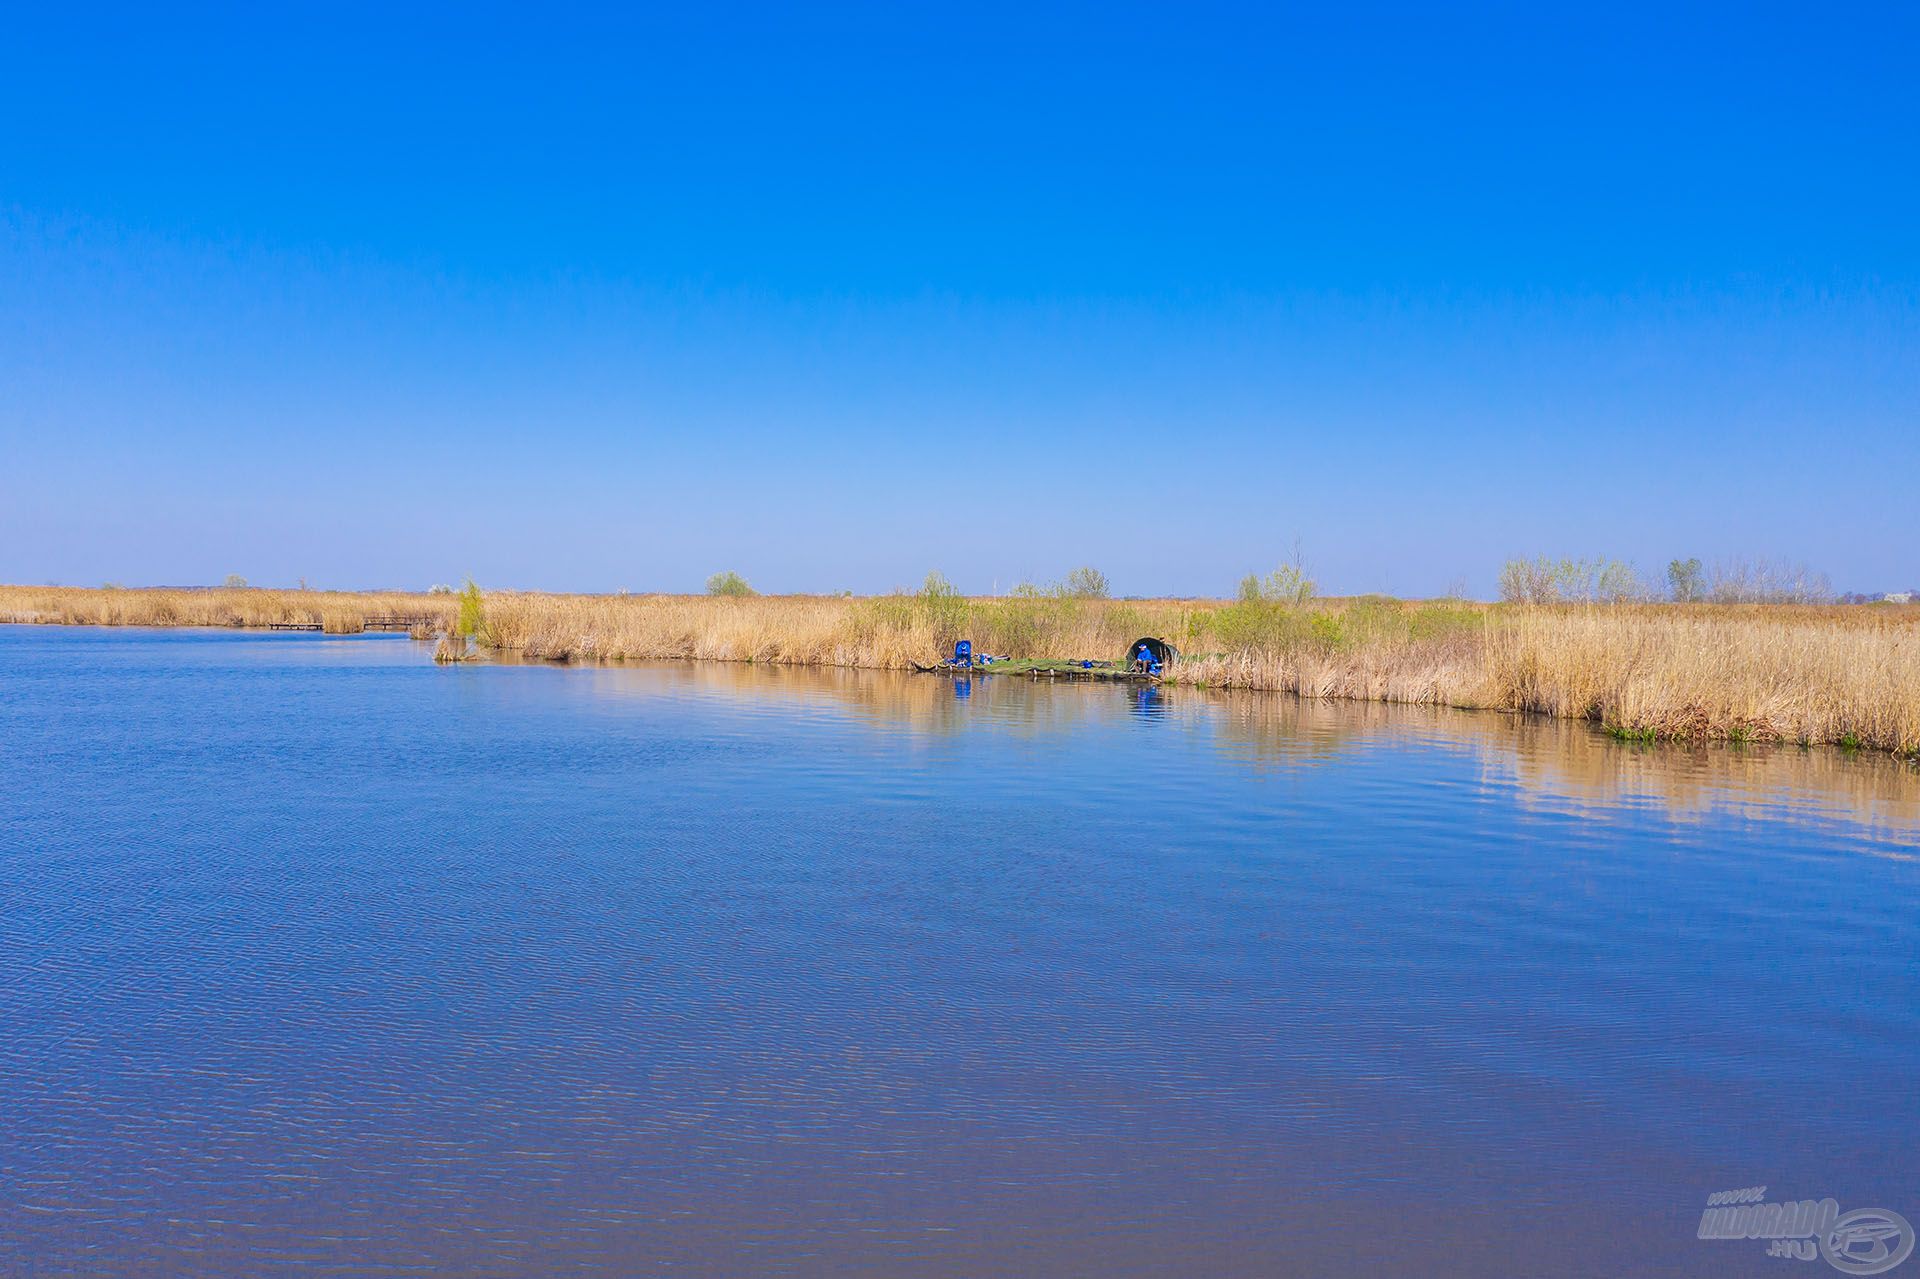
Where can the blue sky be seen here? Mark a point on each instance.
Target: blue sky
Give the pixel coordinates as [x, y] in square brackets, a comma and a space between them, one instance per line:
[833, 295]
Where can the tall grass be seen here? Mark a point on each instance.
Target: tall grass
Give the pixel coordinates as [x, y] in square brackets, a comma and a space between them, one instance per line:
[338, 612]
[1751, 673]
[1702, 672]
[1829, 674]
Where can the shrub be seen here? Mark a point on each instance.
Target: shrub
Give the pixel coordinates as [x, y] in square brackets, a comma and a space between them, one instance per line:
[1766, 582]
[1261, 626]
[1326, 631]
[1086, 583]
[1616, 583]
[1685, 582]
[235, 582]
[1568, 581]
[729, 583]
[472, 611]
[1288, 584]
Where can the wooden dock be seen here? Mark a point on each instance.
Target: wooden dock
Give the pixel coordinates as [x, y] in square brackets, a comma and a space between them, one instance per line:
[1042, 669]
[380, 622]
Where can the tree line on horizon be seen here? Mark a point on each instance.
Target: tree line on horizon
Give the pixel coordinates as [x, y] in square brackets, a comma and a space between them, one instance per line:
[1540, 580]
[1546, 580]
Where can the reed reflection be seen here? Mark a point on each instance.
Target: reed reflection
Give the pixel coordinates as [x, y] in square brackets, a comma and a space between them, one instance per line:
[1549, 761]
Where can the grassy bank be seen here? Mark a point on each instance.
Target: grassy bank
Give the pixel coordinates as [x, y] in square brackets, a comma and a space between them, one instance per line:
[336, 612]
[1847, 675]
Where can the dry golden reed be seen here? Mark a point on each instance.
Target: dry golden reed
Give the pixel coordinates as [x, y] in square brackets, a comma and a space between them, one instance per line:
[337, 612]
[1841, 674]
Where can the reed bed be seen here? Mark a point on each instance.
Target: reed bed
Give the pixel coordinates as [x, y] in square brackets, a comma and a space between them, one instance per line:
[1845, 675]
[890, 632]
[336, 612]
[1848, 675]
[1806, 676]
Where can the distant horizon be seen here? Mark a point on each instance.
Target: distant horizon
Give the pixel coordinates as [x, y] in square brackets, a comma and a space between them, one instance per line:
[996, 590]
[832, 297]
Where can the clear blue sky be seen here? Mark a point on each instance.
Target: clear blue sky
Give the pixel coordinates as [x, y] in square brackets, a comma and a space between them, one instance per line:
[833, 295]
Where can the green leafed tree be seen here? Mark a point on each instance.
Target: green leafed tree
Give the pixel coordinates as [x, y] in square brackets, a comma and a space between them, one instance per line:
[1086, 583]
[1686, 581]
[729, 583]
[1288, 584]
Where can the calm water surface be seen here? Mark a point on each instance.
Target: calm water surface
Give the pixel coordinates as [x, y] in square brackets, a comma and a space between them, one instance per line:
[314, 955]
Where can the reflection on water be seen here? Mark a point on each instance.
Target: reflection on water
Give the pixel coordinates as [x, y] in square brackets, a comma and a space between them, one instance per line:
[314, 955]
[1555, 761]
[1551, 761]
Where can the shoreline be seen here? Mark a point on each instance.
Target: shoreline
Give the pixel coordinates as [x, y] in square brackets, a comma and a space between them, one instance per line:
[1842, 675]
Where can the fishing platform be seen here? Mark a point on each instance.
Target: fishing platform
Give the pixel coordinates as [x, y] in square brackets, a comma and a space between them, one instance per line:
[379, 622]
[1146, 662]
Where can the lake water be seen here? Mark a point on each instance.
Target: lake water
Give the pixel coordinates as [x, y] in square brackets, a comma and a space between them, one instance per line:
[313, 954]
